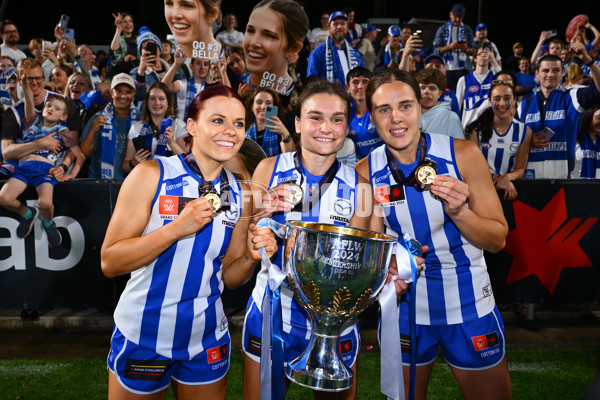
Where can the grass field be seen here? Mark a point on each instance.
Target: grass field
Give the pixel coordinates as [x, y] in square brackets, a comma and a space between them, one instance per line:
[535, 375]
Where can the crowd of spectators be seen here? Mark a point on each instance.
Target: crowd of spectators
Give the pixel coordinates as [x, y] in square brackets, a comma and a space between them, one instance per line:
[554, 85]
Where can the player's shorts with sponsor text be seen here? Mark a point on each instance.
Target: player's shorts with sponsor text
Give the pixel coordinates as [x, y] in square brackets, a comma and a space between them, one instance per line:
[471, 345]
[142, 371]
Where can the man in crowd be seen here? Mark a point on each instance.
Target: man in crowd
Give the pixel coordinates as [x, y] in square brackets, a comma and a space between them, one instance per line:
[333, 59]
[455, 43]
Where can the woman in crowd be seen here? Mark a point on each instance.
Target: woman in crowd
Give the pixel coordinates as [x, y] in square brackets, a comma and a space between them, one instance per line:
[457, 215]
[191, 25]
[60, 76]
[275, 32]
[271, 134]
[504, 141]
[162, 132]
[174, 241]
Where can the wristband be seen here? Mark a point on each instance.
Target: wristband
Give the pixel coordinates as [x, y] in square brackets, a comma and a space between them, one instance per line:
[131, 164]
[590, 63]
[64, 167]
[287, 139]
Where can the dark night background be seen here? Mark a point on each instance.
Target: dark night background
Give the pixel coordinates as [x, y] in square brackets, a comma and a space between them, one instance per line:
[508, 21]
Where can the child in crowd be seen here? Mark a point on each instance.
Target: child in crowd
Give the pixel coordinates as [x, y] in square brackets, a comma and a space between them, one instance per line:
[38, 168]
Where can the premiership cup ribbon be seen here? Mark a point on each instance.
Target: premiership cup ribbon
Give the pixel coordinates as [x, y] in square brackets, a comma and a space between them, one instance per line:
[392, 382]
[272, 378]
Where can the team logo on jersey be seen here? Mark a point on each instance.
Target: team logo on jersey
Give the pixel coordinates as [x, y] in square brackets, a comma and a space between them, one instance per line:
[390, 195]
[473, 88]
[514, 147]
[487, 290]
[485, 341]
[486, 145]
[216, 354]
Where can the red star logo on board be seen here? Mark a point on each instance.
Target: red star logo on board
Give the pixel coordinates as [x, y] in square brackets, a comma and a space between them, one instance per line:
[546, 241]
[396, 192]
[346, 346]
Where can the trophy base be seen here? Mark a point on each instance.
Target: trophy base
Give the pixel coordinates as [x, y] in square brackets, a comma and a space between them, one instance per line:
[320, 367]
[319, 382]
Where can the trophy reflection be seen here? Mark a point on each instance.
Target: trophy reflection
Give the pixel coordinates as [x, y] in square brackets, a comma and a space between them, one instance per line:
[336, 272]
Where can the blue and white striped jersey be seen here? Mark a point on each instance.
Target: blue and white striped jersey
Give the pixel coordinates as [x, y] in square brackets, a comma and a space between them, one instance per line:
[501, 150]
[454, 285]
[173, 305]
[337, 206]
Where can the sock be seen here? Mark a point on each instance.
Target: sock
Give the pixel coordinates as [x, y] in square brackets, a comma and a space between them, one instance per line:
[28, 214]
[47, 223]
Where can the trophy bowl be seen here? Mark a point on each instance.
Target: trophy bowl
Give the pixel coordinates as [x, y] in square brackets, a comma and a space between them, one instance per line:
[336, 272]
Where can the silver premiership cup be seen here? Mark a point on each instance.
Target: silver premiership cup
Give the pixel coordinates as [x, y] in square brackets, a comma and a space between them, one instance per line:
[336, 273]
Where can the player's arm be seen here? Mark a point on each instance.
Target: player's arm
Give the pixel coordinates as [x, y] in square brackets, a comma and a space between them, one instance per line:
[124, 248]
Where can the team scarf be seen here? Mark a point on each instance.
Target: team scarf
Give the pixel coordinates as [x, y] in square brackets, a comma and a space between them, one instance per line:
[109, 140]
[331, 54]
[191, 93]
[150, 132]
[449, 56]
[270, 141]
[389, 56]
[590, 163]
[94, 74]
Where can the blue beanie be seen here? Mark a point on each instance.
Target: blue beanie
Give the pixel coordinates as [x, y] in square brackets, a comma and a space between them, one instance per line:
[145, 35]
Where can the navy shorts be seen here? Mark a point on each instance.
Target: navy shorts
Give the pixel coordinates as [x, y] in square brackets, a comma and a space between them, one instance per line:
[142, 371]
[296, 341]
[472, 345]
[34, 173]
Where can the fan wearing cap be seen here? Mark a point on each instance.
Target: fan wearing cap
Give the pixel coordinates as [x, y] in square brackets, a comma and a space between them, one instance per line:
[365, 46]
[481, 37]
[104, 136]
[455, 43]
[512, 62]
[333, 59]
[152, 67]
[385, 56]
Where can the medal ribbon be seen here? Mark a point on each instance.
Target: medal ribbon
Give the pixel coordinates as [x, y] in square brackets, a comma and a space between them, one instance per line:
[316, 195]
[207, 186]
[396, 170]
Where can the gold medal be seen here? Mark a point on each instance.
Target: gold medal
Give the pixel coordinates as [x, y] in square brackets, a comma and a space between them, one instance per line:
[426, 172]
[296, 192]
[215, 201]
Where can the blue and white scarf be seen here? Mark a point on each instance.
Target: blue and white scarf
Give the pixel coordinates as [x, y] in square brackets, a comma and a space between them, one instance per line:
[590, 163]
[270, 141]
[331, 55]
[191, 93]
[149, 134]
[109, 140]
[462, 57]
[94, 74]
